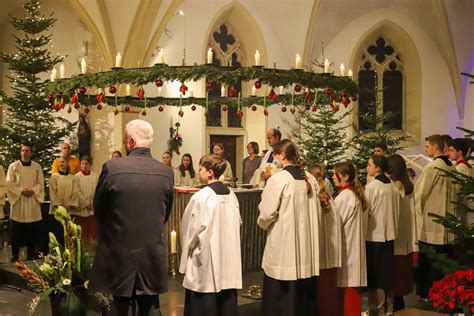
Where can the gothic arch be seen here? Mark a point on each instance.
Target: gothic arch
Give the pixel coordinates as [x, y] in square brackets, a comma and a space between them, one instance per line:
[412, 84]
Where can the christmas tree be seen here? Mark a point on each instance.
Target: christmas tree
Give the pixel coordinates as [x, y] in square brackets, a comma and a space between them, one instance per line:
[29, 117]
[377, 131]
[321, 132]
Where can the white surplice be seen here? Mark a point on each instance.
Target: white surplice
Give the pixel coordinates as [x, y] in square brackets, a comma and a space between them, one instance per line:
[291, 218]
[406, 241]
[353, 270]
[25, 209]
[63, 190]
[210, 241]
[187, 181]
[273, 167]
[86, 185]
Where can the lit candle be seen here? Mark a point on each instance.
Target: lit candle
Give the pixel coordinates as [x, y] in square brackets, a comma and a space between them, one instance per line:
[128, 90]
[173, 242]
[280, 89]
[298, 62]
[257, 58]
[342, 69]
[254, 90]
[161, 56]
[349, 73]
[61, 71]
[209, 56]
[191, 92]
[83, 66]
[159, 91]
[118, 60]
[223, 90]
[54, 74]
[326, 66]
[52, 78]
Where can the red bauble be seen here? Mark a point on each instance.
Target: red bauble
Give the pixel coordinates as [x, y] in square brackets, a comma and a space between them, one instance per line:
[159, 82]
[193, 107]
[99, 106]
[240, 113]
[116, 111]
[354, 98]
[160, 108]
[87, 110]
[144, 112]
[265, 112]
[181, 113]
[272, 95]
[210, 85]
[258, 84]
[314, 108]
[283, 108]
[345, 101]
[82, 90]
[73, 99]
[307, 107]
[297, 88]
[77, 105]
[141, 93]
[254, 108]
[127, 108]
[183, 89]
[69, 109]
[112, 89]
[310, 96]
[335, 107]
[232, 91]
[224, 108]
[292, 110]
[100, 97]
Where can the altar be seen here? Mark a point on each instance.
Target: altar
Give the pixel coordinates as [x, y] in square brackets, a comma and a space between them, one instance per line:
[252, 237]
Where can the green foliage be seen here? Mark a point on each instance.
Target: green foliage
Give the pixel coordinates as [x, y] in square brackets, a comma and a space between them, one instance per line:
[29, 118]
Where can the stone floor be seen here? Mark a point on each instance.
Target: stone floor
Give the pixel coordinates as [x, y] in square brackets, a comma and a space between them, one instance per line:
[13, 302]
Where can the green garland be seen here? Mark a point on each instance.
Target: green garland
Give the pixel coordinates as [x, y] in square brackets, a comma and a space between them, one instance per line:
[228, 75]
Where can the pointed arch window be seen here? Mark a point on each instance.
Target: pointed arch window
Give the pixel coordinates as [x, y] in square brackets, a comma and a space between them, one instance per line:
[382, 69]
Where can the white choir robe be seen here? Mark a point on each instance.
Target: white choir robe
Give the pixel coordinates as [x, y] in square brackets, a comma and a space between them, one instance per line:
[406, 241]
[434, 193]
[3, 189]
[328, 187]
[353, 270]
[274, 167]
[187, 181]
[291, 218]
[25, 209]
[210, 241]
[329, 235]
[63, 190]
[228, 171]
[465, 169]
[86, 185]
[383, 211]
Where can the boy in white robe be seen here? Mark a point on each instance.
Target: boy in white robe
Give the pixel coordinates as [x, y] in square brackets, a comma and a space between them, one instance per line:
[458, 149]
[210, 239]
[25, 191]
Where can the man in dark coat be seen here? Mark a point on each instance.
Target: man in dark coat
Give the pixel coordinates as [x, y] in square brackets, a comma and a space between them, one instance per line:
[132, 203]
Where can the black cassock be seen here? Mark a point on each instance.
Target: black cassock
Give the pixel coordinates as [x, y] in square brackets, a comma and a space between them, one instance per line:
[133, 200]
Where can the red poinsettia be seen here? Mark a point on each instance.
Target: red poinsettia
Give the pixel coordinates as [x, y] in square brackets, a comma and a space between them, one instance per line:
[455, 291]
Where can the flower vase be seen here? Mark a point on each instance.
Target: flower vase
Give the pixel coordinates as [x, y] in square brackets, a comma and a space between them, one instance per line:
[66, 305]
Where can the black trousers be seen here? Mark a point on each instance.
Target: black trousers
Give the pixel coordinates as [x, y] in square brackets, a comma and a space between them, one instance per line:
[24, 234]
[223, 303]
[289, 298]
[148, 305]
[427, 272]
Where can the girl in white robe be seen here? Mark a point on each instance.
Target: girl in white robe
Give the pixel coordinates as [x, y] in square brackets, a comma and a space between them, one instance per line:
[350, 204]
[84, 215]
[187, 177]
[289, 212]
[329, 244]
[384, 208]
[64, 191]
[210, 239]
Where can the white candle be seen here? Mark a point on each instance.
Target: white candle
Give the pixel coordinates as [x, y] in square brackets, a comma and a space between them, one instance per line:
[62, 70]
[298, 62]
[209, 56]
[191, 93]
[326, 66]
[257, 58]
[342, 69]
[159, 91]
[349, 73]
[223, 90]
[54, 74]
[118, 60]
[254, 90]
[280, 89]
[83, 66]
[173, 242]
[161, 56]
[128, 90]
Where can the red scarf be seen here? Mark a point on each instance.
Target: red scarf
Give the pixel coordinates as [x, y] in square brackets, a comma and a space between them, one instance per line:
[460, 161]
[346, 186]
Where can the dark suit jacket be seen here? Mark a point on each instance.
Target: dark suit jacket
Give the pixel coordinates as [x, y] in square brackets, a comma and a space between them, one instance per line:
[133, 200]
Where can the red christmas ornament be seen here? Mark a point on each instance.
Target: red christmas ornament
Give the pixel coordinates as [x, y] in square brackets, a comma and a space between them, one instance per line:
[272, 95]
[307, 107]
[160, 108]
[283, 108]
[345, 101]
[99, 106]
[224, 108]
[159, 82]
[183, 89]
[141, 93]
[297, 88]
[100, 97]
[240, 113]
[232, 91]
[69, 109]
[181, 113]
[112, 89]
[292, 110]
[82, 90]
[73, 99]
[127, 108]
[258, 84]
[87, 110]
[314, 108]
[193, 107]
[77, 105]
[116, 111]
[210, 85]
[310, 96]
[144, 112]
[265, 112]
[354, 98]
[335, 107]
[254, 108]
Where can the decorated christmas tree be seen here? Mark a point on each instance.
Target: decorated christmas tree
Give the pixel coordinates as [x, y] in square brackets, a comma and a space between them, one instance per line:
[377, 131]
[321, 132]
[28, 115]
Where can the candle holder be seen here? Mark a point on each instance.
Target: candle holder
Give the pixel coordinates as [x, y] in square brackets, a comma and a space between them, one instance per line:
[116, 68]
[173, 263]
